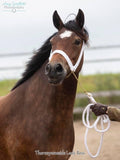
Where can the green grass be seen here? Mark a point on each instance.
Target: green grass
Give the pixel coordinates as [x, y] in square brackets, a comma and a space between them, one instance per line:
[91, 83]
[99, 82]
[96, 83]
[6, 86]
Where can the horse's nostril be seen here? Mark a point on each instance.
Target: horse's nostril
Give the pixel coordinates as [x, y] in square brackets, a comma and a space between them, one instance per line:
[59, 68]
[47, 68]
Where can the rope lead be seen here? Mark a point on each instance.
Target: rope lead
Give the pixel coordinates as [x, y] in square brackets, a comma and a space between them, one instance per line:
[103, 118]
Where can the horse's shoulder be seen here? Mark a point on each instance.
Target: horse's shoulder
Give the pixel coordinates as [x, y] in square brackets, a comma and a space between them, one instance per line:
[2, 97]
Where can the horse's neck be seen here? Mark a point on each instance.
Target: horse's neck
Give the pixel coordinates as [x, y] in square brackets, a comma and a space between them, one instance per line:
[40, 94]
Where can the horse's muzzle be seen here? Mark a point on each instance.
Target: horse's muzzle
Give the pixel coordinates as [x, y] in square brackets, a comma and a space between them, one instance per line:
[55, 73]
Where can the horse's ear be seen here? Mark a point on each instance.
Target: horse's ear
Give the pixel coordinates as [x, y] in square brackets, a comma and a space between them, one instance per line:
[80, 18]
[57, 21]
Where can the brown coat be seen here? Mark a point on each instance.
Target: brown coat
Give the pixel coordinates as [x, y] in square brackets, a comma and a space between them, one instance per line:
[114, 113]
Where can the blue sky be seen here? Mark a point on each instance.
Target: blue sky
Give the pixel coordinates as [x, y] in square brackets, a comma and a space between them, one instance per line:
[27, 30]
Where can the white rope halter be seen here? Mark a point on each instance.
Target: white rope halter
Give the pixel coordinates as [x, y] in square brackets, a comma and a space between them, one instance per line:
[103, 118]
[72, 67]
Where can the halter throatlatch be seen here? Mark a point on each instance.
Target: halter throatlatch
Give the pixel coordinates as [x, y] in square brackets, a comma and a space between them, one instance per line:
[72, 67]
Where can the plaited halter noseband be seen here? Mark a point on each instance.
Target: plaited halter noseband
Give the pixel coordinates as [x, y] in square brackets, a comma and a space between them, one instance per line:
[72, 67]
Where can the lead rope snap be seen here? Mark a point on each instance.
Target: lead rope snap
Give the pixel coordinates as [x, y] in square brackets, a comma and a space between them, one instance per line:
[103, 119]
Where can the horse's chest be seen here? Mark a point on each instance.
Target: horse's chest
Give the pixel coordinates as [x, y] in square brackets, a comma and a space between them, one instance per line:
[58, 134]
[53, 135]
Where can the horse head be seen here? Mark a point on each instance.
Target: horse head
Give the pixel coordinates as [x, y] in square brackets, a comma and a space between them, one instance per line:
[67, 48]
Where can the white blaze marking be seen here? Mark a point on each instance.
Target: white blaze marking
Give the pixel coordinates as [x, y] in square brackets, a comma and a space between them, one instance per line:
[65, 34]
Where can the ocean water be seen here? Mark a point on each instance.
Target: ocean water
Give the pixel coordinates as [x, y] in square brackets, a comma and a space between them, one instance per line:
[92, 63]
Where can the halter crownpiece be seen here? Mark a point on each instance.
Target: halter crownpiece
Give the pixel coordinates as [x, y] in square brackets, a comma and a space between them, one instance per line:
[72, 67]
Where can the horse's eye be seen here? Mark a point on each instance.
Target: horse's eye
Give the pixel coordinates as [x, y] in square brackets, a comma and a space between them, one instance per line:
[77, 41]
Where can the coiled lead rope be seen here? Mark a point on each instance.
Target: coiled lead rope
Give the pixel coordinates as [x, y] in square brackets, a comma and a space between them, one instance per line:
[103, 118]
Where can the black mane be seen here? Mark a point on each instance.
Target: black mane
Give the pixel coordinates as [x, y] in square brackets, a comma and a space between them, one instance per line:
[44, 52]
[36, 62]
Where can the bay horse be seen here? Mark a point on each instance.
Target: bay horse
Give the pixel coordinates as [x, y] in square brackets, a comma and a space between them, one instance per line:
[37, 114]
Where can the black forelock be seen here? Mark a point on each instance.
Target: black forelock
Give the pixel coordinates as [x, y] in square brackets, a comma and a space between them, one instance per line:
[73, 26]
